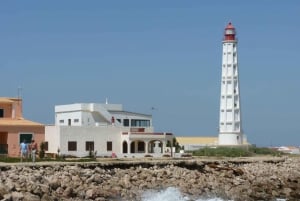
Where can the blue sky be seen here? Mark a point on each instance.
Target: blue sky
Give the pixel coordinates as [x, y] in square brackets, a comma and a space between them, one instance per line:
[161, 54]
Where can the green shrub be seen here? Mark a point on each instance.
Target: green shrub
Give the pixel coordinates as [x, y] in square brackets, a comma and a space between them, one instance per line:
[235, 151]
[223, 151]
[264, 151]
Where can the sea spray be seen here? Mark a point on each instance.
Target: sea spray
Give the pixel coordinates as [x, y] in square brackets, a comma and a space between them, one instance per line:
[173, 194]
[170, 194]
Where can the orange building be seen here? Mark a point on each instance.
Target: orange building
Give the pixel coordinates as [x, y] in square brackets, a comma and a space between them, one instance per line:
[14, 128]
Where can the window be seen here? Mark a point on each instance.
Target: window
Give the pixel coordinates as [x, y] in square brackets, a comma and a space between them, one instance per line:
[25, 136]
[1, 113]
[109, 145]
[69, 122]
[140, 123]
[141, 146]
[76, 120]
[61, 121]
[46, 146]
[72, 146]
[119, 120]
[89, 145]
[126, 122]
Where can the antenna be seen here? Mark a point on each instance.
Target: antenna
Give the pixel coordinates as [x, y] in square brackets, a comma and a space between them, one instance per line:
[19, 92]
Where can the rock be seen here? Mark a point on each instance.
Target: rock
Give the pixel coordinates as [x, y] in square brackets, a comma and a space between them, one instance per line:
[17, 196]
[47, 198]
[31, 197]
[54, 183]
[3, 190]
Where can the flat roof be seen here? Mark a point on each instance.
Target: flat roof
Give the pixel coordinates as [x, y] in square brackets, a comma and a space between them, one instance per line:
[129, 113]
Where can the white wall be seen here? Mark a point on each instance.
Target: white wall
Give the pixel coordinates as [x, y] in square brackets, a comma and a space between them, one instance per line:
[52, 137]
[100, 136]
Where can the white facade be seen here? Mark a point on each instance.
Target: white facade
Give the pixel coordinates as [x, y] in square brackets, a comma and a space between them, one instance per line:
[230, 125]
[103, 128]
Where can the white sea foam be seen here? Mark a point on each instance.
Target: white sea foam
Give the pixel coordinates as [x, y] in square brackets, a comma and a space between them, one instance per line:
[170, 194]
[173, 194]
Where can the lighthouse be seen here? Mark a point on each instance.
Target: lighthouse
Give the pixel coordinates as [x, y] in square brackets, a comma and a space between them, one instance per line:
[230, 125]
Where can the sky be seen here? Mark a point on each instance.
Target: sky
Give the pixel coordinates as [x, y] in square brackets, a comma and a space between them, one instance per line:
[156, 57]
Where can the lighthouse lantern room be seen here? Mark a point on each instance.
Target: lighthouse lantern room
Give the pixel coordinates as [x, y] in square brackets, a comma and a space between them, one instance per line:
[230, 125]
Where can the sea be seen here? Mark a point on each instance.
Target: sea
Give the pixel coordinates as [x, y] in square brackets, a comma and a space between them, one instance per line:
[173, 194]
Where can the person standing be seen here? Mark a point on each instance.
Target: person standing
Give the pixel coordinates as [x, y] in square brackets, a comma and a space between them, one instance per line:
[33, 147]
[23, 150]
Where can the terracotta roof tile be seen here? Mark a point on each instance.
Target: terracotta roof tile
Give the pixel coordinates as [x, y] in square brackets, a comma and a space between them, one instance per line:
[18, 122]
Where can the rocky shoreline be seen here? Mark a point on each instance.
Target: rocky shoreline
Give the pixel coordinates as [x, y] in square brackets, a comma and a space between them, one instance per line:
[237, 179]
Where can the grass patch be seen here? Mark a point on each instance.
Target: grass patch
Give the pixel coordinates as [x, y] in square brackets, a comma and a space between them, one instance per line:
[235, 151]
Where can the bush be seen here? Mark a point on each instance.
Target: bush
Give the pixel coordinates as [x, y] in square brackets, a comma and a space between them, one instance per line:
[148, 155]
[223, 151]
[235, 151]
[264, 151]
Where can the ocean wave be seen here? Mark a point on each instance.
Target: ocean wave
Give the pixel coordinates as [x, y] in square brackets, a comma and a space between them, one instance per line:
[170, 194]
[173, 194]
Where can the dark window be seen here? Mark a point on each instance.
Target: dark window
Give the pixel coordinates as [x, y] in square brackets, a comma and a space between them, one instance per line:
[46, 146]
[141, 146]
[126, 122]
[1, 113]
[25, 136]
[69, 122]
[109, 146]
[72, 146]
[89, 146]
[140, 123]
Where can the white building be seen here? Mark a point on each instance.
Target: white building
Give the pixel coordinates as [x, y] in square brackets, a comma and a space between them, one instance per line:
[230, 125]
[106, 129]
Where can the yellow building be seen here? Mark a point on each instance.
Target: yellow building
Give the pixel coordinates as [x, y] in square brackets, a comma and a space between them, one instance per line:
[195, 143]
